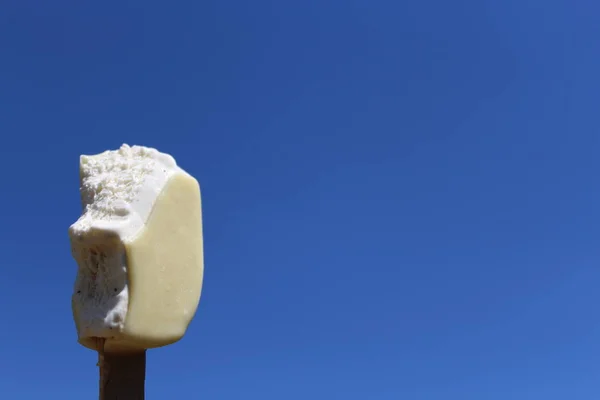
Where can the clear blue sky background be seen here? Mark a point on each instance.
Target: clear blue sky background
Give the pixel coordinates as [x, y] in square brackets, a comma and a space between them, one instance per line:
[400, 198]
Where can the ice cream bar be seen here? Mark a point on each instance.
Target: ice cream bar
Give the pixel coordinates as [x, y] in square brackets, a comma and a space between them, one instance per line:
[138, 247]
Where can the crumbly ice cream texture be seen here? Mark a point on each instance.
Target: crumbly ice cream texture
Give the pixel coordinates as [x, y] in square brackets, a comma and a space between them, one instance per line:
[140, 225]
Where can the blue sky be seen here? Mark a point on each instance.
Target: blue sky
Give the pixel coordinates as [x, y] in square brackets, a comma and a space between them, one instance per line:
[400, 198]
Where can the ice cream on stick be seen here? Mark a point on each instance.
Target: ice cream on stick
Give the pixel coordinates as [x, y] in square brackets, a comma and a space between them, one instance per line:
[138, 247]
